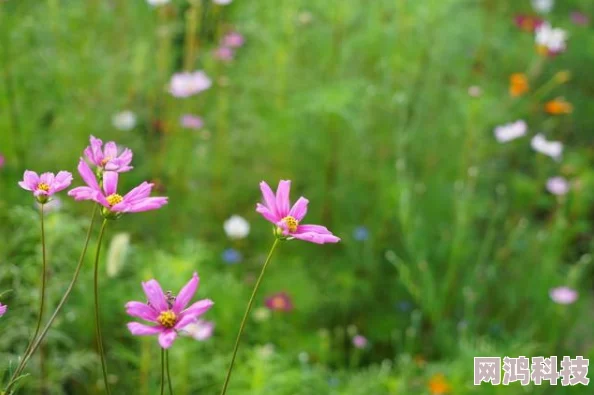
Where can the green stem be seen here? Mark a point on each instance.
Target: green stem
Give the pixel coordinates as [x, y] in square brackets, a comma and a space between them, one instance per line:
[245, 316]
[97, 317]
[168, 373]
[35, 346]
[162, 371]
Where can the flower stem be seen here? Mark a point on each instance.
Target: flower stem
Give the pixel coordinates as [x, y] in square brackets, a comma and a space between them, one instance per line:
[162, 371]
[36, 344]
[245, 316]
[168, 373]
[97, 318]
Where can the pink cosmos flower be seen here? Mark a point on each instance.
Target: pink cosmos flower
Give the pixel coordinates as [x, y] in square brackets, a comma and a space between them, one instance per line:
[278, 211]
[191, 121]
[224, 53]
[279, 302]
[107, 158]
[360, 341]
[579, 18]
[233, 40]
[563, 295]
[3, 308]
[45, 185]
[2, 161]
[199, 329]
[188, 84]
[168, 312]
[557, 186]
[135, 201]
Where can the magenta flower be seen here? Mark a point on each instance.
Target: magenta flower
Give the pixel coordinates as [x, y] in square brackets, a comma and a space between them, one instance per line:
[3, 308]
[188, 84]
[233, 40]
[224, 53]
[45, 185]
[279, 302]
[191, 121]
[135, 201]
[360, 341]
[563, 295]
[278, 211]
[199, 329]
[2, 161]
[579, 18]
[168, 312]
[528, 23]
[107, 158]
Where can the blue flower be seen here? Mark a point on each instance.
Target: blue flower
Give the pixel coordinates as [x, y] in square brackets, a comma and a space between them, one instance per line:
[361, 233]
[231, 256]
[404, 305]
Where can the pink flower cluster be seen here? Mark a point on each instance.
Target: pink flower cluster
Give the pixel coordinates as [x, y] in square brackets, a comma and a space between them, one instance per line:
[230, 42]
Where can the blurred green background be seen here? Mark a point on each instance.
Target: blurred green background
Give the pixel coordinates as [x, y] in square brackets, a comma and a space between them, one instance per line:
[382, 113]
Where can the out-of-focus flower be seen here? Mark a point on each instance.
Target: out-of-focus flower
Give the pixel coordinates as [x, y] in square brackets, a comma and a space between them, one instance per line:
[157, 2]
[199, 329]
[261, 314]
[3, 309]
[543, 6]
[360, 341]
[51, 206]
[438, 385]
[404, 305]
[233, 40]
[563, 295]
[562, 76]
[550, 41]
[305, 17]
[579, 18]
[188, 84]
[135, 201]
[475, 91]
[557, 186]
[107, 158]
[277, 209]
[265, 351]
[528, 23]
[231, 255]
[117, 253]
[361, 233]
[279, 302]
[222, 2]
[510, 131]
[558, 107]
[303, 357]
[224, 53]
[45, 185]
[554, 149]
[2, 161]
[125, 120]
[190, 121]
[236, 227]
[168, 312]
[518, 84]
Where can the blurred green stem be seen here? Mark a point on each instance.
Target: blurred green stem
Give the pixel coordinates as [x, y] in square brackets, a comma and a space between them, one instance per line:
[26, 357]
[162, 371]
[97, 316]
[168, 373]
[245, 316]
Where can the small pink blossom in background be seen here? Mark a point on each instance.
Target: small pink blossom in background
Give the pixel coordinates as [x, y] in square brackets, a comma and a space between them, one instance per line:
[45, 185]
[475, 91]
[200, 329]
[557, 186]
[554, 149]
[222, 2]
[2, 161]
[233, 40]
[224, 53]
[3, 309]
[360, 341]
[563, 295]
[170, 314]
[528, 23]
[135, 201]
[277, 209]
[279, 302]
[579, 18]
[107, 158]
[188, 84]
[191, 121]
[510, 131]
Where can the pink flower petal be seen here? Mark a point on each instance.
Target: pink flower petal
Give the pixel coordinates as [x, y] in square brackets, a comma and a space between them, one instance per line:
[30, 180]
[110, 151]
[197, 309]
[154, 294]
[141, 310]
[138, 329]
[299, 209]
[282, 198]
[167, 337]
[186, 294]
[266, 213]
[269, 199]
[110, 182]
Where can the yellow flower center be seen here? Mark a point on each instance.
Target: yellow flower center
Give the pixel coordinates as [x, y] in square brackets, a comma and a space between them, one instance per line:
[105, 160]
[42, 186]
[167, 319]
[114, 199]
[278, 303]
[292, 223]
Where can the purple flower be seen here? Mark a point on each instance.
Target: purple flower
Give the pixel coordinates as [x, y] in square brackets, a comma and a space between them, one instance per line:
[360, 341]
[563, 295]
[188, 84]
[579, 18]
[168, 312]
[557, 186]
[233, 40]
[45, 185]
[277, 209]
[510, 131]
[199, 329]
[2, 161]
[279, 302]
[137, 200]
[191, 121]
[3, 309]
[107, 158]
[231, 255]
[224, 53]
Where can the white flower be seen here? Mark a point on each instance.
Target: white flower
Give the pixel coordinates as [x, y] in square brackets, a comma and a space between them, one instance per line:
[188, 84]
[261, 314]
[510, 131]
[553, 40]
[199, 330]
[236, 227]
[157, 2]
[557, 186]
[543, 6]
[125, 120]
[222, 2]
[116, 255]
[554, 149]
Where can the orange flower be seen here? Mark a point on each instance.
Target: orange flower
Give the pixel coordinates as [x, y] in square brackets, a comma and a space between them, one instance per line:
[518, 84]
[558, 107]
[438, 385]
